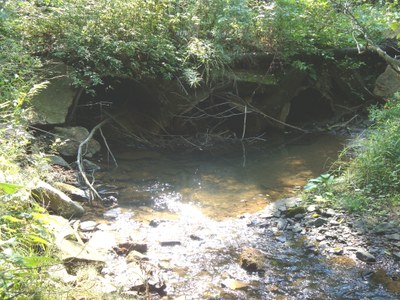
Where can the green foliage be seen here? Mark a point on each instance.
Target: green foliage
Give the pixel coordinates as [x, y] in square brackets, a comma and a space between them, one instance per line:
[189, 40]
[322, 182]
[24, 247]
[372, 177]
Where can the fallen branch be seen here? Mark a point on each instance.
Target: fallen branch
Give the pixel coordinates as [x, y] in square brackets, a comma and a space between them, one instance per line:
[79, 159]
[256, 110]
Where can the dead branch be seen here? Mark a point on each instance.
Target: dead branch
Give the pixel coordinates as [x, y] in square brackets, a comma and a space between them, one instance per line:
[79, 159]
[108, 148]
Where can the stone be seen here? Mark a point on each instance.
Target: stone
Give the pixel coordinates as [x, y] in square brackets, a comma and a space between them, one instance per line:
[393, 237]
[331, 235]
[234, 284]
[281, 239]
[169, 243]
[311, 208]
[337, 251]
[297, 228]
[293, 211]
[268, 214]
[102, 242]
[134, 246]
[112, 213]
[57, 201]
[51, 104]
[156, 223]
[396, 255]
[73, 192]
[387, 83]
[319, 222]
[71, 137]
[329, 212]
[57, 160]
[365, 256]
[59, 272]
[281, 224]
[195, 237]
[135, 256]
[252, 259]
[87, 226]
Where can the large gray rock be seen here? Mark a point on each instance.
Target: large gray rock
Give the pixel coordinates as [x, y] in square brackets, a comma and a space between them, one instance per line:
[73, 192]
[387, 83]
[51, 105]
[71, 138]
[57, 201]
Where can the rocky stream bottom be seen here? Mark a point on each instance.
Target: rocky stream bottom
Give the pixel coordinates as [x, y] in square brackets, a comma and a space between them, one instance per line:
[289, 250]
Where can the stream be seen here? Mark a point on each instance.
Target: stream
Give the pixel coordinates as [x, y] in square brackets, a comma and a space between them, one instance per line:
[197, 211]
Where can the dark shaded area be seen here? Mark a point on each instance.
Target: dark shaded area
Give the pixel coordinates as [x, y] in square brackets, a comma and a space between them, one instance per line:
[120, 96]
[309, 106]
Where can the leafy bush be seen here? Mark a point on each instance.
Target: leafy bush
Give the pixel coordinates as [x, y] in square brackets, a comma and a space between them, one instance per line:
[372, 177]
[25, 244]
[189, 40]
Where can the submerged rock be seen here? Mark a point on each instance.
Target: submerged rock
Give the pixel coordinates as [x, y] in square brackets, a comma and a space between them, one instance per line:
[365, 256]
[252, 260]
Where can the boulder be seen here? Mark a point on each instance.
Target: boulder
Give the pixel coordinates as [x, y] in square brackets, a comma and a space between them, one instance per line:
[73, 192]
[57, 201]
[52, 103]
[71, 138]
[387, 83]
[57, 160]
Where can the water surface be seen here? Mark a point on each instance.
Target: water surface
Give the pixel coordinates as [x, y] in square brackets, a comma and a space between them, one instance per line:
[223, 182]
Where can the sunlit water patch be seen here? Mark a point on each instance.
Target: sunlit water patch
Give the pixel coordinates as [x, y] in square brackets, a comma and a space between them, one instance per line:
[222, 183]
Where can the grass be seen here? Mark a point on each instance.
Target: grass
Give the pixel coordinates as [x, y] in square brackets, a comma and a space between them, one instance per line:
[367, 175]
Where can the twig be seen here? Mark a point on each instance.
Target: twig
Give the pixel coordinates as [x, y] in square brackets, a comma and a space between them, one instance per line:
[108, 148]
[244, 121]
[276, 120]
[79, 158]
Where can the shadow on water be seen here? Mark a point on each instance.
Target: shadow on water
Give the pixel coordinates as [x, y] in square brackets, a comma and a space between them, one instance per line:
[188, 206]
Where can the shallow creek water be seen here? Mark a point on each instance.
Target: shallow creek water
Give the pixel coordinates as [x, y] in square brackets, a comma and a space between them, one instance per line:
[196, 209]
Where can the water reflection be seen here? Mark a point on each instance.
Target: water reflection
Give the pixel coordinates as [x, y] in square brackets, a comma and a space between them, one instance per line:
[216, 181]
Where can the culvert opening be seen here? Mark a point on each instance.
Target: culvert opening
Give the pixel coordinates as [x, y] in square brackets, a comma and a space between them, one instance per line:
[131, 107]
[118, 96]
[309, 106]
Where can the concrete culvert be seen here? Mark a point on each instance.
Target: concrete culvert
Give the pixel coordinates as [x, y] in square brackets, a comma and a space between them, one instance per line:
[309, 106]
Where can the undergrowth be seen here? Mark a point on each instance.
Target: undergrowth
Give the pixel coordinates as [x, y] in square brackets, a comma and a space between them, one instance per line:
[367, 174]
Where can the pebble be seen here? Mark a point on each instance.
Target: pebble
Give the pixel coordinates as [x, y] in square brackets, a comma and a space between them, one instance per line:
[396, 255]
[311, 208]
[88, 226]
[170, 243]
[393, 237]
[329, 212]
[365, 256]
[319, 222]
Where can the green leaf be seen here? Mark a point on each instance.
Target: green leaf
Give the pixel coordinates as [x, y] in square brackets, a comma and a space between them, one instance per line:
[37, 239]
[9, 188]
[37, 261]
[12, 219]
